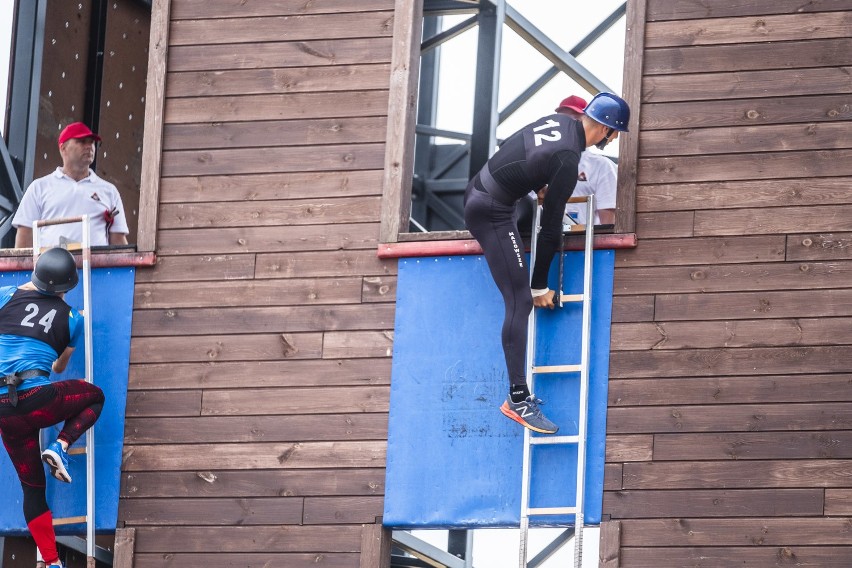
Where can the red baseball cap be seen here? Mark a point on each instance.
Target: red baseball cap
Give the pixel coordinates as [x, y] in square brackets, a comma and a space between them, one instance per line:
[575, 103]
[76, 130]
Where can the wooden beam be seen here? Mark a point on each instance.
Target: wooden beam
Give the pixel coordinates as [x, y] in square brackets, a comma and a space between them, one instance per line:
[464, 247]
[123, 552]
[609, 553]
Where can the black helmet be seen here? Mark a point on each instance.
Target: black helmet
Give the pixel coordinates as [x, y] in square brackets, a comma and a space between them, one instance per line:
[55, 271]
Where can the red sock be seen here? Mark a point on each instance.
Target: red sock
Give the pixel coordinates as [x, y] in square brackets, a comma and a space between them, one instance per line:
[42, 530]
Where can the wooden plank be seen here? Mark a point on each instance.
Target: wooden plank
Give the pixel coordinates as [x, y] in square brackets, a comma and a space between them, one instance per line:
[745, 474]
[732, 334]
[609, 551]
[152, 403]
[269, 539]
[375, 546]
[234, 31]
[667, 224]
[342, 344]
[632, 308]
[272, 428]
[711, 278]
[612, 476]
[731, 390]
[249, 456]
[269, 133]
[278, 80]
[763, 417]
[669, 252]
[690, 9]
[738, 556]
[272, 160]
[305, 291]
[722, 362]
[212, 375]
[265, 187]
[629, 448]
[726, 140]
[270, 213]
[211, 512]
[831, 246]
[210, 348]
[191, 9]
[317, 264]
[634, 64]
[765, 532]
[402, 97]
[714, 503]
[822, 163]
[195, 268]
[254, 483]
[745, 84]
[734, 195]
[343, 510]
[268, 239]
[275, 107]
[838, 502]
[748, 29]
[314, 400]
[831, 303]
[748, 56]
[825, 444]
[378, 289]
[125, 539]
[199, 321]
[146, 239]
[829, 218]
[746, 112]
[361, 51]
[248, 560]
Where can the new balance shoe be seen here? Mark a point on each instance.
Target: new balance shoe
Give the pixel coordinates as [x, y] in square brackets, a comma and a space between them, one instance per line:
[57, 460]
[528, 414]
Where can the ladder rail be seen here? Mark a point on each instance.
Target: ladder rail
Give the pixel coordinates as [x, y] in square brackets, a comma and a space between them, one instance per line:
[89, 370]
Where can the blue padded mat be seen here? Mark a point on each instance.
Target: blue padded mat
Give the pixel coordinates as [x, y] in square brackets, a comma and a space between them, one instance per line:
[112, 308]
[454, 461]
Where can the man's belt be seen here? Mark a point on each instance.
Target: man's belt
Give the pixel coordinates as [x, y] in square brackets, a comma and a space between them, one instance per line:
[12, 381]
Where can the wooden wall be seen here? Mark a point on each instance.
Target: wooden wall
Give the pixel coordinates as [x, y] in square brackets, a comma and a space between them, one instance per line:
[261, 342]
[730, 400]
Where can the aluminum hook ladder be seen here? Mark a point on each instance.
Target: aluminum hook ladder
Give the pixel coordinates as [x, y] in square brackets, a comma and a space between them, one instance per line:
[89, 449]
[532, 369]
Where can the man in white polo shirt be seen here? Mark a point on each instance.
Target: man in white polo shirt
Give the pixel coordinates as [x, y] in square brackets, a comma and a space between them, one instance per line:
[72, 190]
[597, 175]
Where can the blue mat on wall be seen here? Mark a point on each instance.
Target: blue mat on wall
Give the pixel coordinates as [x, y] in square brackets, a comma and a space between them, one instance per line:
[454, 461]
[112, 308]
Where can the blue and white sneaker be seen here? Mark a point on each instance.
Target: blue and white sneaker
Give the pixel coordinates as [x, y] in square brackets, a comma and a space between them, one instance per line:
[528, 414]
[57, 460]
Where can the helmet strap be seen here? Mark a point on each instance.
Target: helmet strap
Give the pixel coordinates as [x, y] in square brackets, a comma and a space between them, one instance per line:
[602, 144]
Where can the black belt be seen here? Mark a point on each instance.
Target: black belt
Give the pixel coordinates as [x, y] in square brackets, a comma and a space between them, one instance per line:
[12, 381]
[494, 189]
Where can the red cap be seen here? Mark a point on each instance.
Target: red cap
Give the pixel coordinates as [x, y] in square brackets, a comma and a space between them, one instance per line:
[575, 103]
[76, 130]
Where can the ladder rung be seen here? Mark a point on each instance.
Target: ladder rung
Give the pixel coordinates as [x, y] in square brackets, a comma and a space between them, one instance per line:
[551, 511]
[546, 440]
[76, 451]
[69, 521]
[571, 298]
[557, 369]
[576, 229]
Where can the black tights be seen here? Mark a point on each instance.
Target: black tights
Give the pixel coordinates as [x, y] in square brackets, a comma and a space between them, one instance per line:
[494, 226]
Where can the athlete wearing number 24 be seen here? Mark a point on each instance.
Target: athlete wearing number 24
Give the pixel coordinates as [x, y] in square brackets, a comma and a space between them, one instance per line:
[545, 152]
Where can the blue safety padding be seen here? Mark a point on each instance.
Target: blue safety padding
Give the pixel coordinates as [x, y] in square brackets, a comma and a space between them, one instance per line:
[453, 460]
[112, 309]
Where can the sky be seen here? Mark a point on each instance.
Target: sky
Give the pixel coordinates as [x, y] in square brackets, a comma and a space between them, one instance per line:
[566, 22]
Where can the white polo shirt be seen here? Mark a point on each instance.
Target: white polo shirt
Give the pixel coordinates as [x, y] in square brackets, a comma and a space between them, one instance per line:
[597, 175]
[56, 196]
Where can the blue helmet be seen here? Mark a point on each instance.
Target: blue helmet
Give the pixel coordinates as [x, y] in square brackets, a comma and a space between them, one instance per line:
[610, 110]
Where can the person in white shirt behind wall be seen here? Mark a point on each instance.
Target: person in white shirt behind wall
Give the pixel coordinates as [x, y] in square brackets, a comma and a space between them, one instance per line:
[71, 191]
[597, 175]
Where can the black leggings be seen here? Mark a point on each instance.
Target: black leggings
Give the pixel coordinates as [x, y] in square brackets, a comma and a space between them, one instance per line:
[495, 227]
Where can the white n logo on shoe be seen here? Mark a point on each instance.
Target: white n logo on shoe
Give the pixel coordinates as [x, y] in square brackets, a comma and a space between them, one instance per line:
[524, 411]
